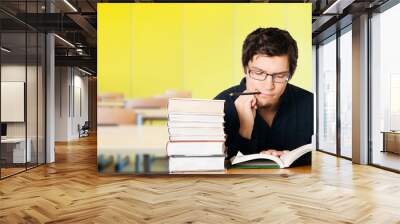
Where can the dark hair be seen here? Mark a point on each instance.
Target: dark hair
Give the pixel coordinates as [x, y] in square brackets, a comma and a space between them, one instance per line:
[270, 42]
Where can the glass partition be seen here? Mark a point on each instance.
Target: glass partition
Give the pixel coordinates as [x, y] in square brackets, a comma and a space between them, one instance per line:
[385, 89]
[14, 153]
[327, 95]
[346, 93]
[22, 88]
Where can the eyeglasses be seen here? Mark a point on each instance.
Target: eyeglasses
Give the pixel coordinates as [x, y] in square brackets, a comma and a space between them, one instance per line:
[260, 75]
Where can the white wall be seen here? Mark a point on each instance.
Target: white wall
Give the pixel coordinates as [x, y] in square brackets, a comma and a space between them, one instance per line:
[62, 81]
[12, 73]
[71, 94]
[33, 127]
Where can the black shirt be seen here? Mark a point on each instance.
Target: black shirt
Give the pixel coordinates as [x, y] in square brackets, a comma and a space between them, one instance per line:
[292, 125]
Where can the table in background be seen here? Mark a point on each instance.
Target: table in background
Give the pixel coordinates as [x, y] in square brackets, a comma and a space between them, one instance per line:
[151, 114]
[391, 141]
[111, 104]
[18, 151]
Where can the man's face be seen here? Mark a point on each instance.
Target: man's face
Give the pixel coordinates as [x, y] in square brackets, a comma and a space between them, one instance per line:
[270, 91]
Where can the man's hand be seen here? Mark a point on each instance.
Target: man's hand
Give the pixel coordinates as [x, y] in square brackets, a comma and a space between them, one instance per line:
[274, 152]
[246, 106]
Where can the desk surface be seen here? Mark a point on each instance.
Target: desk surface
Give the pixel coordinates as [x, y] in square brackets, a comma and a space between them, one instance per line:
[142, 150]
[390, 132]
[13, 140]
[148, 164]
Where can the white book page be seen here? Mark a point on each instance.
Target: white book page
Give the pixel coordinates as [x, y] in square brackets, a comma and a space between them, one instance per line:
[196, 163]
[195, 118]
[289, 158]
[196, 148]
[239, 158]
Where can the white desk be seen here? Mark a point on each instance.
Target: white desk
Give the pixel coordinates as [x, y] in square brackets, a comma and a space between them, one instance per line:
[19, 149]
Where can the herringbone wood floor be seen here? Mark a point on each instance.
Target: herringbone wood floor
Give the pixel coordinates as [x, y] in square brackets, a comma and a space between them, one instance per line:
[71, 191]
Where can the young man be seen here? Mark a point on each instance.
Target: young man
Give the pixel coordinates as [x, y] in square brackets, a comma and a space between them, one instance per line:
[280, 117]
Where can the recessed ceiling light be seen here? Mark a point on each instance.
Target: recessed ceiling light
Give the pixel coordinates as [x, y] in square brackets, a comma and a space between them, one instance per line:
[64, 40]
[338, 6]
[5, 50]
[84, 71]
[70, 5]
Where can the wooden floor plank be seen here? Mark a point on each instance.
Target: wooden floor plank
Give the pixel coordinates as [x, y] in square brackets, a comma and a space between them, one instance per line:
[71, 191]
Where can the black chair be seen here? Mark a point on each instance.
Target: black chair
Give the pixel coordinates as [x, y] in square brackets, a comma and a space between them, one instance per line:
[84, 130]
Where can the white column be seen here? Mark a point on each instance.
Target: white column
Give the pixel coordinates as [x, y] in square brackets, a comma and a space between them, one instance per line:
[50, 99]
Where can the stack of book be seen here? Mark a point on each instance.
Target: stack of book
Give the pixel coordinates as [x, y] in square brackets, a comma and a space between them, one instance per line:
[196, 135]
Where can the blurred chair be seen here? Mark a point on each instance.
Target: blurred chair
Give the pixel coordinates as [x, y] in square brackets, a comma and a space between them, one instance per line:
[84, 129]
[106, 97]
[147, 103]
[110, 100]
[115, 116]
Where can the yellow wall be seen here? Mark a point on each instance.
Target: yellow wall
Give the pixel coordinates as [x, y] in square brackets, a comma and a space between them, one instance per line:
[114, 49]
[147, 48]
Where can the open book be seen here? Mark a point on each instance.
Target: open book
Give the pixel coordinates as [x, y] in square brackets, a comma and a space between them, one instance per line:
[260, 160]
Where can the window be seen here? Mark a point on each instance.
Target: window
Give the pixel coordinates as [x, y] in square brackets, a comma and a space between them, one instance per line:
[327, 95]
[385, 88]
[346, 92]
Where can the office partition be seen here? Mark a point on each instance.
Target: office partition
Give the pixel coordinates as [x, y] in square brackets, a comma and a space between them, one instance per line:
[22, 77]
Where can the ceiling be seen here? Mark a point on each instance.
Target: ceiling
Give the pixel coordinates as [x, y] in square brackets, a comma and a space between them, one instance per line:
[76, 22]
